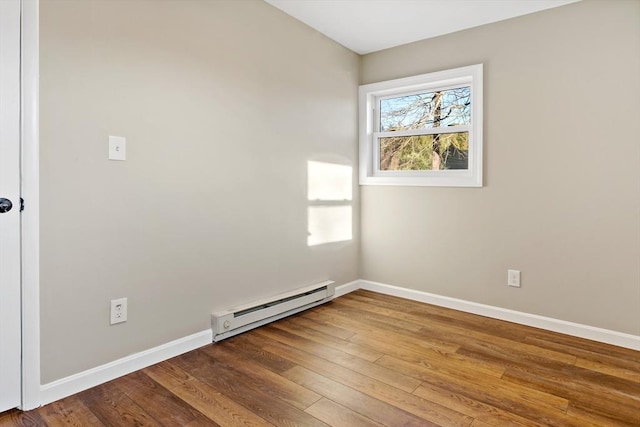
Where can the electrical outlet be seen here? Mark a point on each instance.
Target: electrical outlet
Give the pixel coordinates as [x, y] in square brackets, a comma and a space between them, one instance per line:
[117, 148]
[513, 278]
[118, 310]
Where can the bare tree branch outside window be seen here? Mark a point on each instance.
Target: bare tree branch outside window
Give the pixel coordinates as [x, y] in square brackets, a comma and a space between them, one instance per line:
[425, 111]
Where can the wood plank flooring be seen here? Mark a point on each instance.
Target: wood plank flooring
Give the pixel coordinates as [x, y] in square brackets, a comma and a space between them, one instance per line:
[367, 359]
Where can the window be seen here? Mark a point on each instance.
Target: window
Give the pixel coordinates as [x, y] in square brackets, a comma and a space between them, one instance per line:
[423, 130]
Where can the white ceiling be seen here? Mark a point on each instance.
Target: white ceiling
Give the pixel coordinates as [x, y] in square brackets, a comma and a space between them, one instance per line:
[366, 26]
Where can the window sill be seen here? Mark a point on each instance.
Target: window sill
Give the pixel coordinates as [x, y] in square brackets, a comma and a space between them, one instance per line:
[422, 181]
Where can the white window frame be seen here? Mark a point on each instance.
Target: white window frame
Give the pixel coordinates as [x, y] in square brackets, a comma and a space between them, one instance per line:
[369, 101]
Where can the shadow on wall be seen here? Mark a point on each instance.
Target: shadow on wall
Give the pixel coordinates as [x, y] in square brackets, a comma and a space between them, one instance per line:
[330, 193]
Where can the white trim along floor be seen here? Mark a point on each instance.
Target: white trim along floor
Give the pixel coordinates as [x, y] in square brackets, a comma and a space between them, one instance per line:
[90, 378]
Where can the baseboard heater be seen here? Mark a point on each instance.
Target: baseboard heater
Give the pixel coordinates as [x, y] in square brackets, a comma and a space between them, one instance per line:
[239, 319]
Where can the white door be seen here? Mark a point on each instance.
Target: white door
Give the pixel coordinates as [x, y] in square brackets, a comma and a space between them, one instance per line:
[10, 304]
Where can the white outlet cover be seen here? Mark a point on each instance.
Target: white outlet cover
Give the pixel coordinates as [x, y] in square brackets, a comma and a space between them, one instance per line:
[513, 278]
[118, 312]
[117, 148]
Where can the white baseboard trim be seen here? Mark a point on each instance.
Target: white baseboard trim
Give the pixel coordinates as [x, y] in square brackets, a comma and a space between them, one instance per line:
[101, 374]
[561, 326]
[346, 288]
[76, 383]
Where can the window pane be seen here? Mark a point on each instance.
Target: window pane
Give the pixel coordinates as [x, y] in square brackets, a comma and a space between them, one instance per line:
[425, 152]
[449, 107]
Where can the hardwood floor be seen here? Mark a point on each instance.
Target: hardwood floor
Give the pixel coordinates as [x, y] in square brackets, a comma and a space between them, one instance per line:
[367, 359]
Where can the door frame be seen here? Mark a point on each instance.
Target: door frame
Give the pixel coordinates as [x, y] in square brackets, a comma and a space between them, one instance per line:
[30, 183]
[10, 229]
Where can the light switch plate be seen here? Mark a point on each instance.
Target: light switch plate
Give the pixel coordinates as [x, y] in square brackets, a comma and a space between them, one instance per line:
[117, 148]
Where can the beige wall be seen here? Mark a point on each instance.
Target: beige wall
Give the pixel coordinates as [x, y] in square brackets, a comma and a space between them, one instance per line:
[561, 200]
[222, 104]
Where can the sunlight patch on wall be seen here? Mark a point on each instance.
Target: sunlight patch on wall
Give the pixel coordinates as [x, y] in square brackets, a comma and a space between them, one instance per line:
[328, 224]
[329, 191]
[329, 181]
